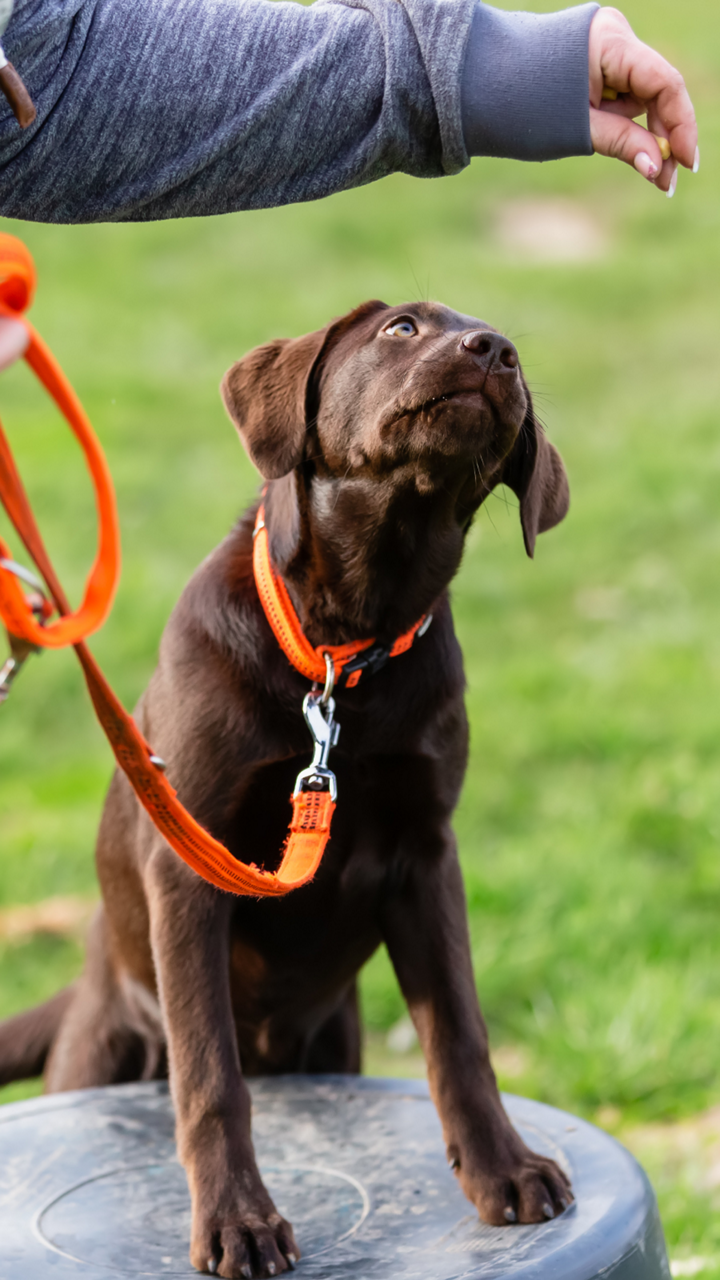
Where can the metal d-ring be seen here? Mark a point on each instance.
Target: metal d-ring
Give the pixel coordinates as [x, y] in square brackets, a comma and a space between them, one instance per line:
[329, 680]
[26, 575]
[20, 650]
[29, 578]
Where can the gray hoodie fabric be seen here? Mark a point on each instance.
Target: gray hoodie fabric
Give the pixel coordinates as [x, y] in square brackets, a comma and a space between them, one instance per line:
[173, 108]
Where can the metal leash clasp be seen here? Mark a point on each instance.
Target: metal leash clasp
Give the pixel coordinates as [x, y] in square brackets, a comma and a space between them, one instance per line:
[20, 650]
[319, 713]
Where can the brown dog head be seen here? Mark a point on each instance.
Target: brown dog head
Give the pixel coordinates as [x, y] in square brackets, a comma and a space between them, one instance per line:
[435, 398]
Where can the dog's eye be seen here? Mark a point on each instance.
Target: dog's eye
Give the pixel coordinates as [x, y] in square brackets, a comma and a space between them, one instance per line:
[401, 329]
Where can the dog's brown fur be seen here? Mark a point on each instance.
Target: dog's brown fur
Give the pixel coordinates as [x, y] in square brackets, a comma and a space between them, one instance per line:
[378, 447]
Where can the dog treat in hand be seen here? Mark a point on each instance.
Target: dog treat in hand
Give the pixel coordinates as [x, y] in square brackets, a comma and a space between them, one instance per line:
[609, 95]
[664, 145]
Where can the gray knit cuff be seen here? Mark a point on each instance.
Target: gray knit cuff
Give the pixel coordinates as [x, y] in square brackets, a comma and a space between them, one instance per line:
[525, 90]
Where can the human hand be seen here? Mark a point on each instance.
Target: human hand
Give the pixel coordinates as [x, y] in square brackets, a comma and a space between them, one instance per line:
[14, 339]
[647, 85]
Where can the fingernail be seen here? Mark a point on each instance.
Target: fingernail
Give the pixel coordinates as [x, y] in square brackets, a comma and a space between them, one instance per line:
[291, 1259]
[673, 184]
[509, 1215]
[212, 1266]
[246, 1271]
[564, 1203]
[271, 1268]
[696, 161]
[548, 1210]
[645, 166]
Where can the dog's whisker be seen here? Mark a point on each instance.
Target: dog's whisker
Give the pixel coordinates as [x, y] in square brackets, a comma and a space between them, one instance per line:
[484, 508]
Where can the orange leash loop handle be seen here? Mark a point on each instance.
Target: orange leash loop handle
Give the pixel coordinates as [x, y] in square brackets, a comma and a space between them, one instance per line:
[283, 619]
[17, 286]
[206, 856]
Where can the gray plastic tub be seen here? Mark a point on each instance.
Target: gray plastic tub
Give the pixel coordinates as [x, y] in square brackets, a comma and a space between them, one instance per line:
[90, 1187]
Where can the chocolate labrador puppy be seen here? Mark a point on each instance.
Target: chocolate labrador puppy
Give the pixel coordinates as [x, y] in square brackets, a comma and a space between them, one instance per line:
[379, 437]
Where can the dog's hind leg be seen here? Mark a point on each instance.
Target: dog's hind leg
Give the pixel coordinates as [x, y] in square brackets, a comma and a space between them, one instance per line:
[26, 1039]
[111, 1032]
[336, 1045]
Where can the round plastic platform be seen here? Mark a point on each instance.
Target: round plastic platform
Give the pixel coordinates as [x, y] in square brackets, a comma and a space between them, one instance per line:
[90, 1187]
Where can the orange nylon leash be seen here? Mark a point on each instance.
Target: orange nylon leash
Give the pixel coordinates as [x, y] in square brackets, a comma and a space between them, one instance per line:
[312, 811]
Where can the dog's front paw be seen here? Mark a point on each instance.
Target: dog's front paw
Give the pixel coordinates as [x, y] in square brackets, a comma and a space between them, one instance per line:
[244, 1238]
[511, 1185]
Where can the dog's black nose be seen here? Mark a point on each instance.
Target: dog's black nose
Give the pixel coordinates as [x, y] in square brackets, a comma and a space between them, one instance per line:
[491, 348]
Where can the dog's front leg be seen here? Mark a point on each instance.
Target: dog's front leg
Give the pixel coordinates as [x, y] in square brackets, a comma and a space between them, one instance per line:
[236, 1229]
[425, 929]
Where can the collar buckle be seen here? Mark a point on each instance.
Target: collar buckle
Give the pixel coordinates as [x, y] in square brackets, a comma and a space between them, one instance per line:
[370, 661]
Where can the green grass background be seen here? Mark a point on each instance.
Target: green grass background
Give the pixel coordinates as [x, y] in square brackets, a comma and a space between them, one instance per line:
[590, 821]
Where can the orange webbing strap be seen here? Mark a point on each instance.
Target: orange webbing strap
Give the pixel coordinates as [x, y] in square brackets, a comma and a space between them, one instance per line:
[309, 831]
[312, 815]
[280, 613]
[308, 835]
[17, 282]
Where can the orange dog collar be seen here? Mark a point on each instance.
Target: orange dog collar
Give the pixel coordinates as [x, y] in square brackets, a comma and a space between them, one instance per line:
[349, 661]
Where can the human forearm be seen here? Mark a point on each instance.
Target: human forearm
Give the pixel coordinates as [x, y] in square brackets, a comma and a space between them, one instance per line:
[173, 108]
[159, 108]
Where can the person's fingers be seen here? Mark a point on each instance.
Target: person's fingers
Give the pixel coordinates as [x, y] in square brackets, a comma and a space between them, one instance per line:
[670, 108]
[14, 339]
[625, 105]
[615, 135]
[668, 180]
[621, 62]
[607, 27]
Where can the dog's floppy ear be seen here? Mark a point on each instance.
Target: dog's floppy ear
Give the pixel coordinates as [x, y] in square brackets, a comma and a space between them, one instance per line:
[265, 394]
[534, 471]
[269, 394]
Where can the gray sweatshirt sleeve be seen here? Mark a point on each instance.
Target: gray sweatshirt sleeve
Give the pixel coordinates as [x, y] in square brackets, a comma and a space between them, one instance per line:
[172, 108]
[525, 84]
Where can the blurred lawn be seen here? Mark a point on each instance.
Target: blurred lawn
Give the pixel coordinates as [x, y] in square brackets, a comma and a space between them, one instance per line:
[590, 822]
